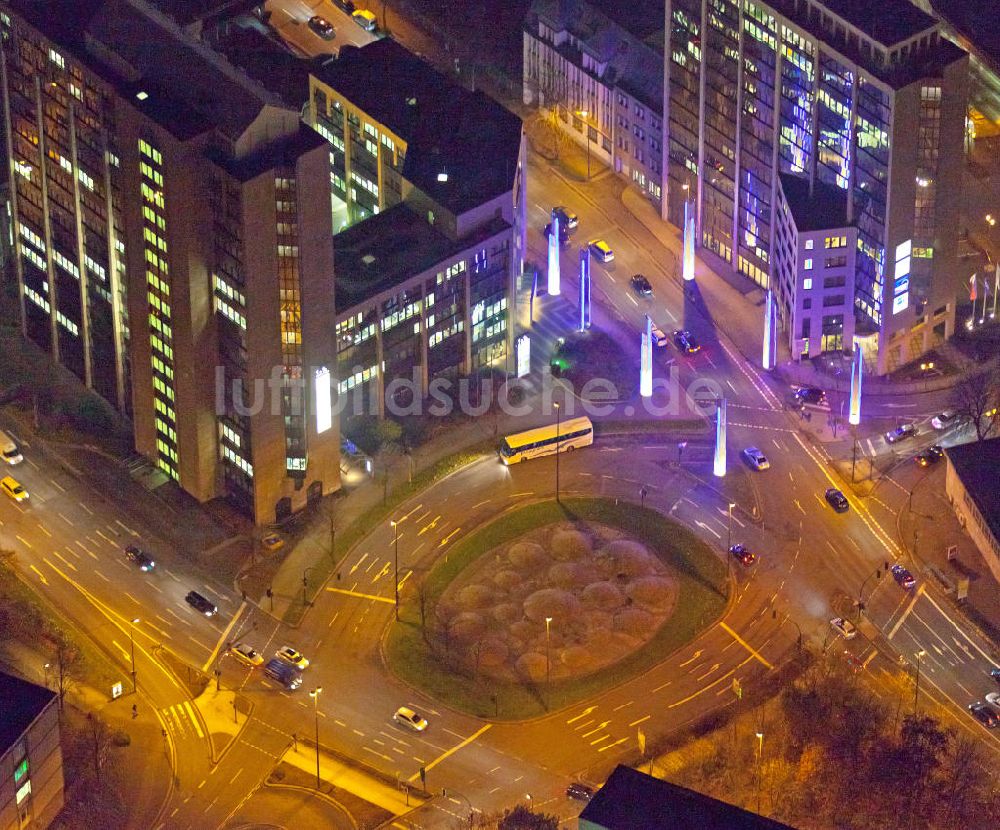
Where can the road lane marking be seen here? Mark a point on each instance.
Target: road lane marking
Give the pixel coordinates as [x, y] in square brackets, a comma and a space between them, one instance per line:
[107, 539]
[69, 564]
[597, 728]
[965, 636]
[102, 576]
[194, 718]
[91, 512]
[448, 538]
[582, 715]
[89, 552]
[24, 542]
[44, 530]
[745, 644]
[693, 657]
[449, 752]
[225, 634]
[57, 485]
[61, 516]
[641, 720]
[906, 612]
[41, 576]
[360, 595]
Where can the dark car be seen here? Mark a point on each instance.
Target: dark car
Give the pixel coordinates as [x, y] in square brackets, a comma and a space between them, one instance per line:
[563, 233]
[581, 792]
[837, 500]
[927, 457]
[199, 603]
[743, 555]
[322, 27]
[903, 577]
[346, 5]
[995, 674]
[641, 286]
[811, 395]
[567, 218]
[686, 342]
[984, 714]
[900, 433]
[138, 557]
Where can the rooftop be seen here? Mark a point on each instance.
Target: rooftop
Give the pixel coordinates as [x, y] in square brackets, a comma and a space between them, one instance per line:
[631, 799]
[975, 21]
[133, 46]
[283, 151]
[389, 248]
[192, 11]
[978, 465]
[22, 703]
[887, 21]
[824, 208]
[462, 147]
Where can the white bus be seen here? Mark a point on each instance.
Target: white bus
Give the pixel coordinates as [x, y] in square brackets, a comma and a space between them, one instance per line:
[574, 432]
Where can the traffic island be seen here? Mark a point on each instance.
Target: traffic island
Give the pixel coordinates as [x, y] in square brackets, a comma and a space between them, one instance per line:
[552, 604]
[596, 366]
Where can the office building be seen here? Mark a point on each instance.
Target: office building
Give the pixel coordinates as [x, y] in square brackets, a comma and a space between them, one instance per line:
[867, 98]
[814, 264]
[971, 487]
[31, 766]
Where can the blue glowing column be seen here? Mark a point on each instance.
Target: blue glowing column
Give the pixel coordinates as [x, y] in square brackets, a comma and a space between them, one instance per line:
[770, 332]
[554, 255]
[646, 361]
[584, 289]
[854, 417]
[720, 439]
[688, 257]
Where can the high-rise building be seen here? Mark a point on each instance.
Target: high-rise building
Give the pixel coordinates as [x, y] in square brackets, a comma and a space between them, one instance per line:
[868, 98]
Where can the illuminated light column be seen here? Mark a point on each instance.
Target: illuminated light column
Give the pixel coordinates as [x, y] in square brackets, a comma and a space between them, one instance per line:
[646, 361]
[854, 417]
[584, 289]
[688, 258]
[554, 255]
[770, 332]
[720, 439]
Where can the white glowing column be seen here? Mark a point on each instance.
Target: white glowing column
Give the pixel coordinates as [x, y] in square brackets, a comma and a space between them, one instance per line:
[854, 417]
[770, 332]
[554, 256]
[688, 257]
[720, 439]
[646, 361]
[584, 289]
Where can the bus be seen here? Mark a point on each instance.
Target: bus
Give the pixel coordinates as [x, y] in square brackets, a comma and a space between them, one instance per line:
[573, 432]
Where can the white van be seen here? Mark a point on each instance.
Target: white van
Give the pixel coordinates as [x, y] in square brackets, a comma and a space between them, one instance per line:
[365, 19]
[9, 450]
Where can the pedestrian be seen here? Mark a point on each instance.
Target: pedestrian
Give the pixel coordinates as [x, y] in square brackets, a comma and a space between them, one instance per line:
[135, 711]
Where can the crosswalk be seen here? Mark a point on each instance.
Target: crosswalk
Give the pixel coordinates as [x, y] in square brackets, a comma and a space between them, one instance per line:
[182, 720]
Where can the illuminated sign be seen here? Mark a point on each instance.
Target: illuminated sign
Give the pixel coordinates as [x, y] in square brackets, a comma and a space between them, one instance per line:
[116, 691]
[901, 277]
[321, 394]
[20, 771]
[24, 791]
[523, 355]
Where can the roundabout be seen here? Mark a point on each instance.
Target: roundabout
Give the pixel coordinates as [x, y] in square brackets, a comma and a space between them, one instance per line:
[551, 603]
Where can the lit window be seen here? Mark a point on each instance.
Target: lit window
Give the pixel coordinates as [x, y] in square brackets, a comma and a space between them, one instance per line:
[809, 244]
[808, 265]
[807, 283]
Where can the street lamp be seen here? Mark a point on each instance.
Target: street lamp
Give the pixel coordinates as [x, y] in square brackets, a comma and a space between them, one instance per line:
[916, 689]
[760, 754]
[583, 114]
[548, 624]
[131, 644]
[395, 564]
[314, 694]
[305, 584]
[558, 447]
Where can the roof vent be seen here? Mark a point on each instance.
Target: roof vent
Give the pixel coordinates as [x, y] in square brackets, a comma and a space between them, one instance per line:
[442, 177]
[412, 101]
[142, 95]
[367, 259]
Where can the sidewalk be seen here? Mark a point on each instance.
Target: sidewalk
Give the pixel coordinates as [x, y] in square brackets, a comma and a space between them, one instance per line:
[926, 531]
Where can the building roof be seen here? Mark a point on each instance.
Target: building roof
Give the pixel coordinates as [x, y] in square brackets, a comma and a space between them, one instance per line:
[462, 147]
[975, 21]
[248, 44]
[22, 703]
[887, 21]
[630, 46]
[825, 208]
[978, 466]
[133, 46]
[186, 12]
[389, 248]
[283, 151]
[631, 799]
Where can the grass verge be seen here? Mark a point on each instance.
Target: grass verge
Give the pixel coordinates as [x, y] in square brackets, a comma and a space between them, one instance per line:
[701, 599]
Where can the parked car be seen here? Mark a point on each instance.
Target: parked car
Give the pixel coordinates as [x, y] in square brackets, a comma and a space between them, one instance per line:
[579, 791]
[660, 338]
[686, 342]
[641, 286]
[246, 654]
[900, 433]
[345, 5]
[365, 19]
[200, 603]
[756, 459]
[601, 249]
[743, 555]
[903, 577]
[845, 627]
[945, 419]
[837, 500]
[993, 698]
[322, 27]
[929, 456]
[985, 714]
[292, 657]
[138, 557]
[407, 717]
[811, 395]
[566, 217]
[272, 542]
[285, 673]
[9, 450]
[12, 487]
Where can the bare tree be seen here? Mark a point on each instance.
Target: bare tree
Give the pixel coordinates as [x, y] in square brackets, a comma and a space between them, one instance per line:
[68, 666]
[977, 399]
